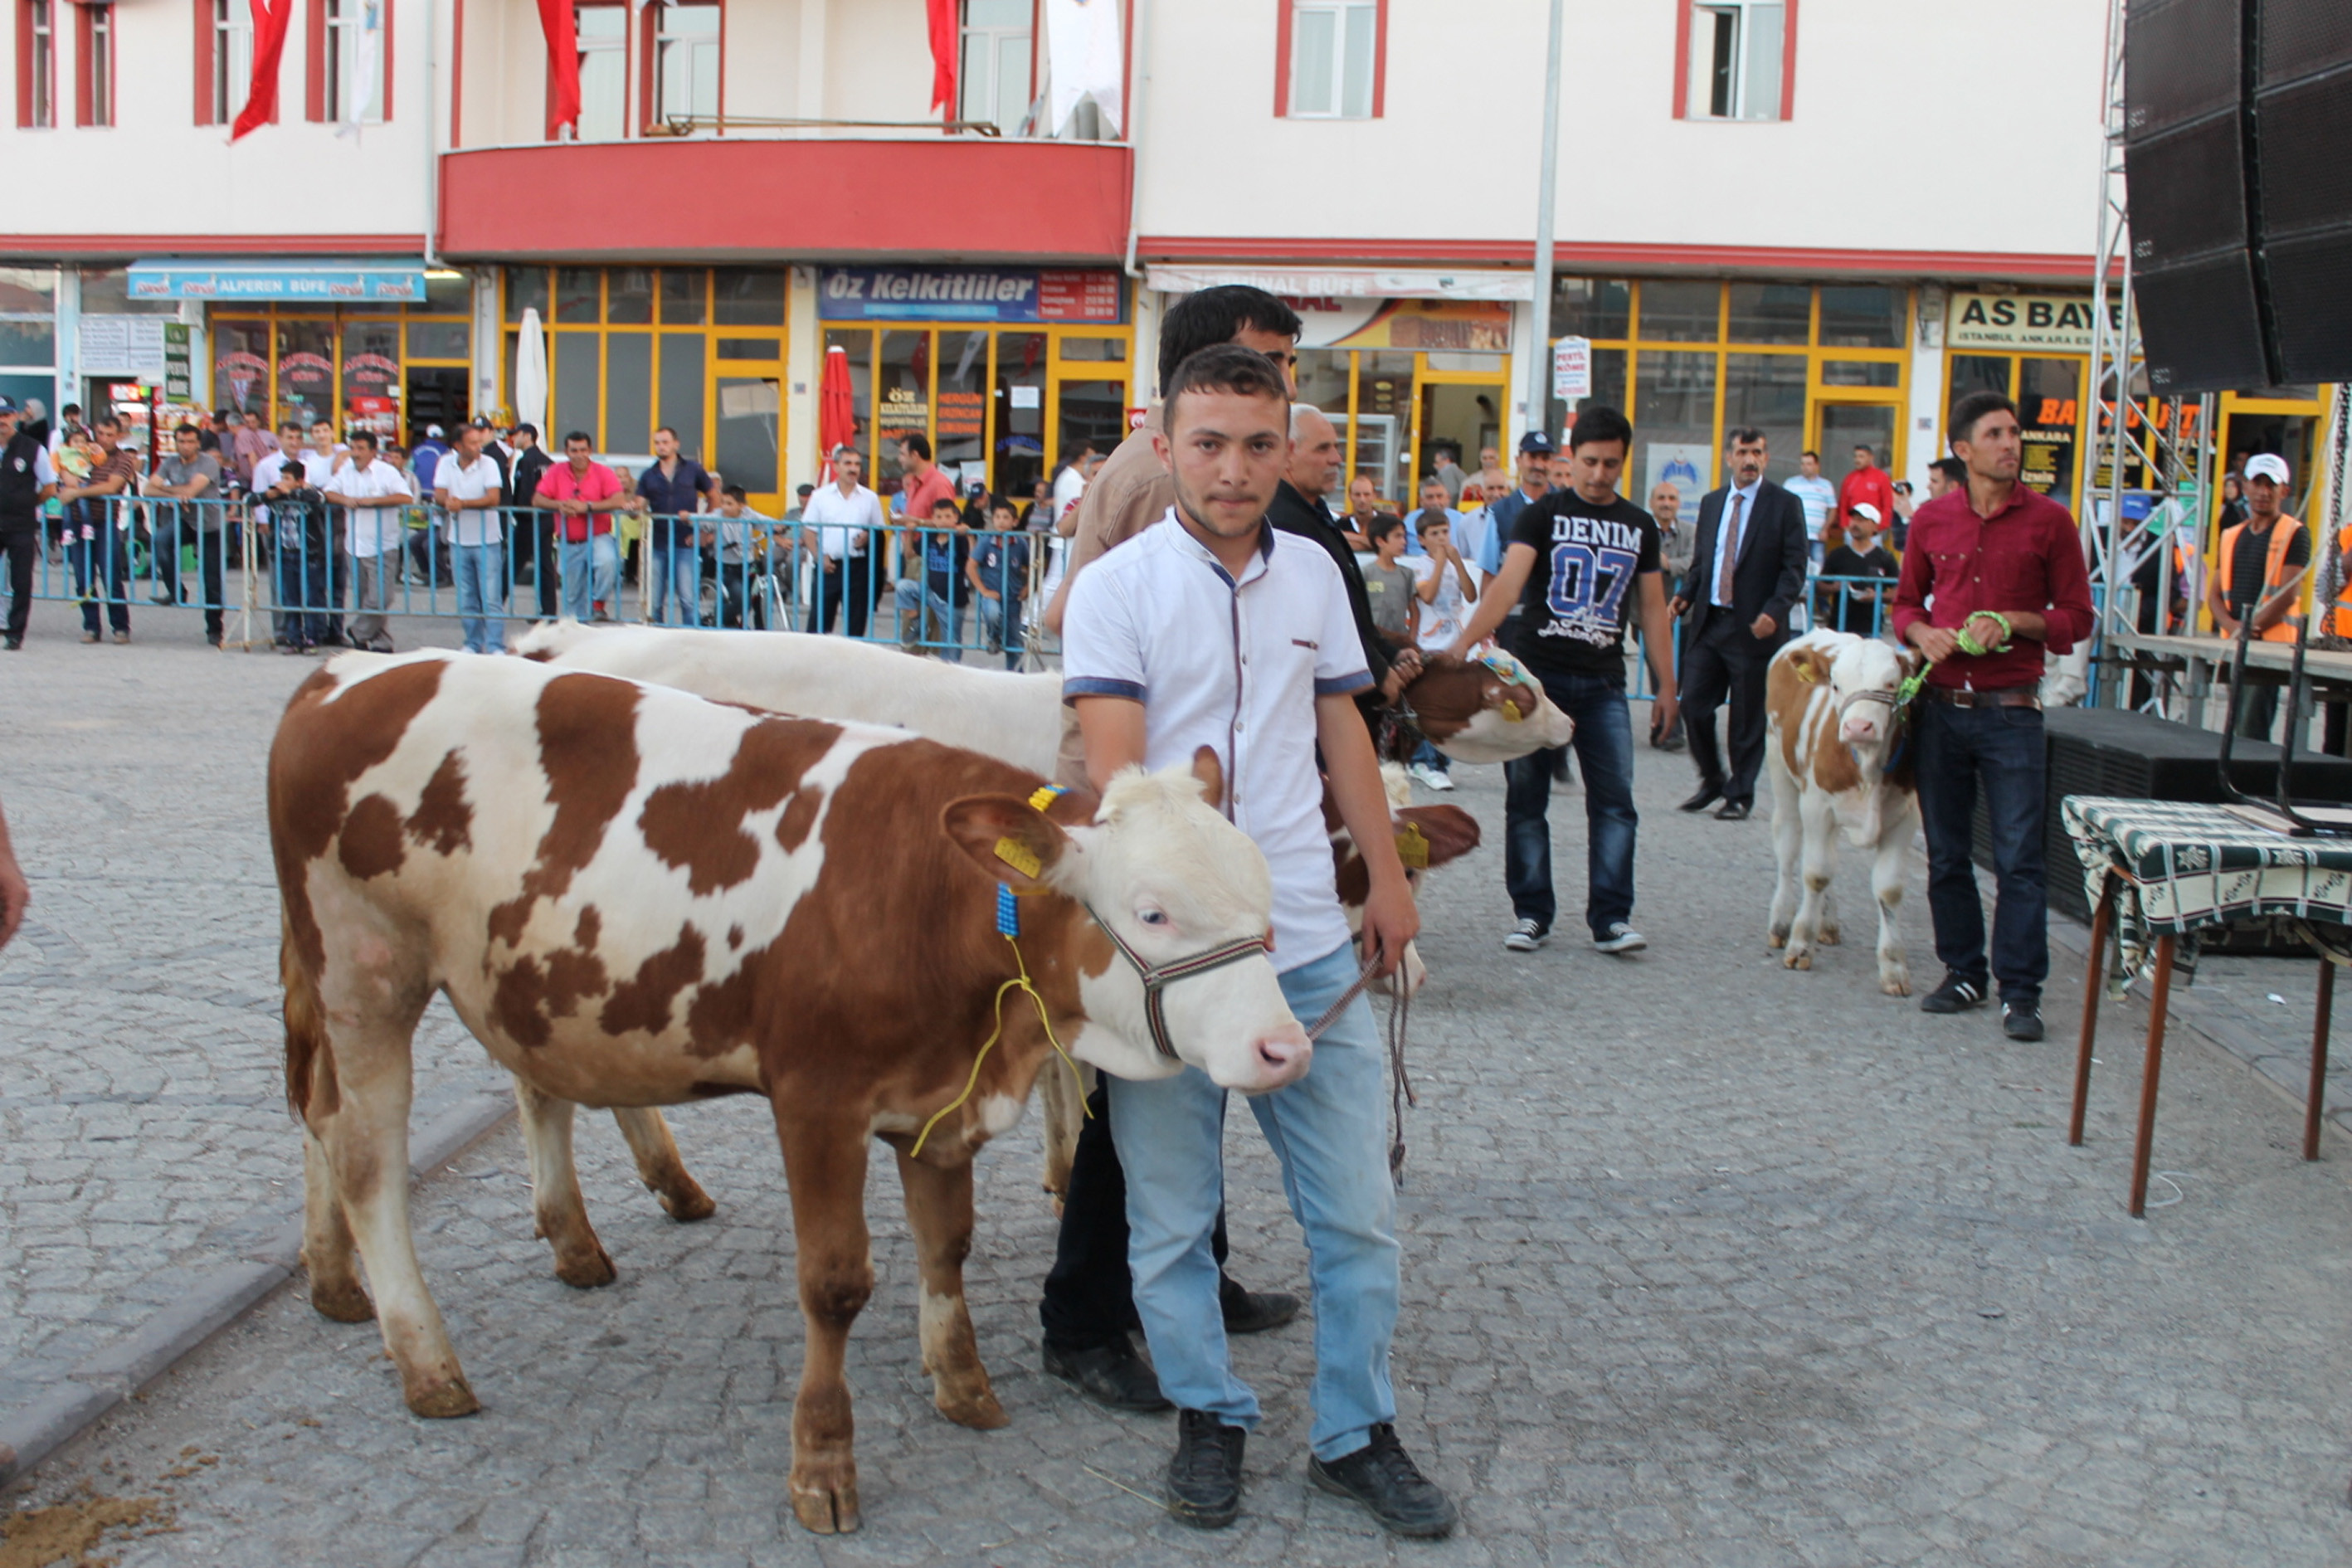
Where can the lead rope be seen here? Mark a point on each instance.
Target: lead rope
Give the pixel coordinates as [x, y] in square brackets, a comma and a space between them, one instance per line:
[1401, 1089]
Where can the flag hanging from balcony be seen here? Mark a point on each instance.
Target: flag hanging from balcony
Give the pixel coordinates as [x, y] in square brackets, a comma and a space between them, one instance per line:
[943, 56]
[268, 46]
[555, 19]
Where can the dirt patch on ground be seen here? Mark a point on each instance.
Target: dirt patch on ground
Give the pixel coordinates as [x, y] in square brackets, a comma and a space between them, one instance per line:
[68, 1534]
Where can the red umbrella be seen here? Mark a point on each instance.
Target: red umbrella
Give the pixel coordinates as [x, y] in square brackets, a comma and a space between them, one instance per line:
[836, 408]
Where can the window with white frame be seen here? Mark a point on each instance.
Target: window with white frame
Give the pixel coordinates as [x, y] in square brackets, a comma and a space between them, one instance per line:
[603, 38]
[96, 89]
[994, 81]
[1334, 53]
[686, 64]
[355, 61]
[1736, 49]
[232, 58]
[41, 105]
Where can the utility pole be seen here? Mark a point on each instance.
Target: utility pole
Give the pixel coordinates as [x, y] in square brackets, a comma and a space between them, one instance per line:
[1547, 188]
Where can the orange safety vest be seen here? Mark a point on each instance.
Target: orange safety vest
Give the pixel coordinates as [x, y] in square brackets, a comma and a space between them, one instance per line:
[2284, 534]
[2343, 617]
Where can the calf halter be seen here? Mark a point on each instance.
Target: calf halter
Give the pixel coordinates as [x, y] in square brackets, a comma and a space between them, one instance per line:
[1157, 977]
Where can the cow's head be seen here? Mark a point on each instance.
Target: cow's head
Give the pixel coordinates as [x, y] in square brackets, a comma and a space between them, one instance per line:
[1863, 674]
[1485, 710]
[1172, 879]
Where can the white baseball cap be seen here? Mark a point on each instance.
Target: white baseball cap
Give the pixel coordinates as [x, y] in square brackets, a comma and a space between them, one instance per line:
[1867, 512]
[433, 433]
[2267, 466]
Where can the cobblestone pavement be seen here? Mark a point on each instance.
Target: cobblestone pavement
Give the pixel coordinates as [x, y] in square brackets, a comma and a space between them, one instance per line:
[1706, 1262]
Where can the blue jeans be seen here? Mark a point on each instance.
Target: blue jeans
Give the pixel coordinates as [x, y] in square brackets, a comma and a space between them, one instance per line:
[914, 596]
[102, 565]
[481, 591]
[1604, 754]
[302, 592]
[1330, 1130]
[2003, 747]
[676, 573]
[598, 558]
[997, 635]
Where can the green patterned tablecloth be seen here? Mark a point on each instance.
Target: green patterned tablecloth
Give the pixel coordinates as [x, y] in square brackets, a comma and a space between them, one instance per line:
[2186, 867]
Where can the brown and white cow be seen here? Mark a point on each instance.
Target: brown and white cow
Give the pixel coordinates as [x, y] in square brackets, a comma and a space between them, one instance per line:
[1469, 708]
[1841, 766]
[636, 898]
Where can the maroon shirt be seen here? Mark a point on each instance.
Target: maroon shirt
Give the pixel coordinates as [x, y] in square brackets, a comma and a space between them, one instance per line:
[2027, 556]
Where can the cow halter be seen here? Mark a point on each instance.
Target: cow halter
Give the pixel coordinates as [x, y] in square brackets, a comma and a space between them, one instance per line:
[1157, 977]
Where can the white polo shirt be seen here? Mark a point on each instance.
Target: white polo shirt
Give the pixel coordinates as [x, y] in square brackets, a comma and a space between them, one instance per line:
[1234, 667]
[478, 525]
[839, 518]
[374, 530]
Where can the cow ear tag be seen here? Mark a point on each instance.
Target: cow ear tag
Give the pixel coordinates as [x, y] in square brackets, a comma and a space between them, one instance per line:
[1511, 714]
[1805, 671]
[1412, 848]
[1019, 855]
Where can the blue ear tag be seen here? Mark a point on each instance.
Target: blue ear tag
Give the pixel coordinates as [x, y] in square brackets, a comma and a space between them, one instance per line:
[1008, 911]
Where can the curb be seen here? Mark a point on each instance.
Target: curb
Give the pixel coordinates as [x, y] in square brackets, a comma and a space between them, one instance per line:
[33, 1431]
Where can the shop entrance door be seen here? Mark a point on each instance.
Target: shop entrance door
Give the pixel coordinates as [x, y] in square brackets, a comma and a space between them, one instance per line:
[1838, 429]
[436, 395]
[1084, 411]
[1457, 413]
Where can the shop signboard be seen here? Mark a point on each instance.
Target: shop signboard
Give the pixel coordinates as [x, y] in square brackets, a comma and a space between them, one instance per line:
[326, 282]
[178, 383]
[1076, 295]
[122, 345]
[2059, 321]
[1445, 326]
[1571, 369]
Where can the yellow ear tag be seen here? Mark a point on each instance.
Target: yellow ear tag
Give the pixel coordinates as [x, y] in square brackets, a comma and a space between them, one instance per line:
[1806, 672]
[1018, 856]
[1511, 714]
[1412, 848]
[1045, 796]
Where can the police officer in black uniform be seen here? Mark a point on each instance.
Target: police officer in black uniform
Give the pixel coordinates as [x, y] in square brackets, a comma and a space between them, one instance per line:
[25, 481]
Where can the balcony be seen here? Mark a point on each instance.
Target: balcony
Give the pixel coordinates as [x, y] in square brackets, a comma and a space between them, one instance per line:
[749, 197]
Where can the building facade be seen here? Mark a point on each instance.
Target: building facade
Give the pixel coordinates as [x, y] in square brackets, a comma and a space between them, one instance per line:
[1827, 221]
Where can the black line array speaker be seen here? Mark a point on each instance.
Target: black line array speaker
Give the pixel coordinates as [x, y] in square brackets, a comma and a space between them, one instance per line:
[2238, 149]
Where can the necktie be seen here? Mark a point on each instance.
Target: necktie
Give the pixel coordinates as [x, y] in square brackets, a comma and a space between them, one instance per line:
[1726, 554]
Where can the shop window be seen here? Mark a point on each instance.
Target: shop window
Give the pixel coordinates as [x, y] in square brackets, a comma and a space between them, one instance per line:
[1681, 310]
[240, 364]
[629, 296]
[604, 39]
[575, 378]
[106, 291]
[994, 81]
[1862, 316]
[1861, 373]
[1330, 55]
[682, 291]
[350, 62]
[681, 401]
[448, 292]
[1591, 308]
[440, 339]
[27, 316]
[36, 64]
[94, 64]
[682, 64]
[1674, 421]
[525, 289]
[628, 392]
[1767, 392]
[1736, 54]
[747, 297]
[579, 295]
[1771, 313]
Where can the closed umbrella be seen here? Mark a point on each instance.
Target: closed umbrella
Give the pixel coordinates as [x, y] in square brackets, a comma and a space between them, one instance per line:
[836, 408]
[530, 377]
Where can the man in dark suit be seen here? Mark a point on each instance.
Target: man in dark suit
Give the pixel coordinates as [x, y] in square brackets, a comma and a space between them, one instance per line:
[1748, 567]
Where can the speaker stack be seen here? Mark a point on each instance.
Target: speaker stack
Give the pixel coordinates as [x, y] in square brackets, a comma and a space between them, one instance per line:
[2238, 150]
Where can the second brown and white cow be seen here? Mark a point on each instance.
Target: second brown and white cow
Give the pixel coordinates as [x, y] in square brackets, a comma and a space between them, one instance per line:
[1839, 757]
[636, 898]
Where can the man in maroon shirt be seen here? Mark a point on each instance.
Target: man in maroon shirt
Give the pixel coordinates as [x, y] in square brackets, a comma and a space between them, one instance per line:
[2004, 566]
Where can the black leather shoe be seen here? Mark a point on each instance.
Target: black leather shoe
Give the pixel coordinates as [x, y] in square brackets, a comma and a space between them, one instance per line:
[2022, 1020]
[1382, 1476]
[1954, 994]
[1709, 793]
[1112, 1375]
[1255, 1311]
[1733, 811]
[1204, 1479]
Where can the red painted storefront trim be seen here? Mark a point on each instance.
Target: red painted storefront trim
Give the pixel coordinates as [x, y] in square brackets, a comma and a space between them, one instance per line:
[152, 245]
[789, 200]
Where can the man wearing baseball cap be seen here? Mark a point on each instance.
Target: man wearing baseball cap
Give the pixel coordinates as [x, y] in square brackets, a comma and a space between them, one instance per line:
[2258, 577]
[25, 481]
[1536, 451]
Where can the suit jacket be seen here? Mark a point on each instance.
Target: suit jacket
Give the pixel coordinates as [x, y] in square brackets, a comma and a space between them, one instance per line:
[1770, 575]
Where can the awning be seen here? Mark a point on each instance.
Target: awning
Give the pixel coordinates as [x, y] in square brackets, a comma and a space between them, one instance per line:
[1351, 282]
[326, 281]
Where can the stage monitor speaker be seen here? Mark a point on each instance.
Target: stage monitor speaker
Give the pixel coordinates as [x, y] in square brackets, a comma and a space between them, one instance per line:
[2182, 61]
[2200, 324]
[2303, 139]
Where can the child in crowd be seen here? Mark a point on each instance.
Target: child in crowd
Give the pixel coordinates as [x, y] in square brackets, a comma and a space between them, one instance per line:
[999, 572]
[736, 521]
[940, 592]
[1448, 592]
[1388, 582]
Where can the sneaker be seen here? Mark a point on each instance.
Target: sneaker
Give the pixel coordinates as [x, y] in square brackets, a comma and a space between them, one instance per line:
[14, 644]
[1524, 937]
[1428, 777]
[1954, 996]
[1439, 780]
[89, 636]
[2022, 1020]
[122, 637]
[1204, 1479]
[1620, 938]
[1382, 1476]
[1112, 1375]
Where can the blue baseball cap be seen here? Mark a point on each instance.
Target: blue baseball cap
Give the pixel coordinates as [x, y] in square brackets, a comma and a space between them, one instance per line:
[1539, 442]
[7, 406]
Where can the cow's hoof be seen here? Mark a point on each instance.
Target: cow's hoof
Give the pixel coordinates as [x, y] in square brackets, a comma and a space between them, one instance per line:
[686, 1201]
[1828, 937]
[1799, 958]
[826, 1507]
[1897, 986]
[1777, 937]
[341, 1303]
[585, 1271]
[974, 1406]
[444, 1401]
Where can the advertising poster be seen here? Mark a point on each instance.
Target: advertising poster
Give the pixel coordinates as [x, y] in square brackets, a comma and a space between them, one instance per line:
[1683, 464]
[1092, 296]
[306, 385]
[1456, 326]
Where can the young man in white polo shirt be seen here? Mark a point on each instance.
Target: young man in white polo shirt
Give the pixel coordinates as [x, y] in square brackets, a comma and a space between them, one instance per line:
[1212, 630]
[372, 491]
[466, 483]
